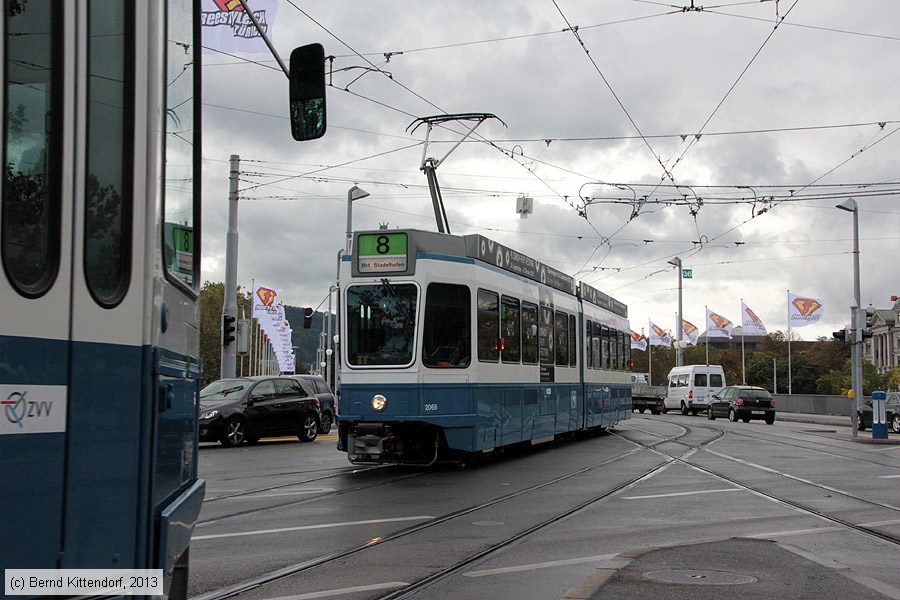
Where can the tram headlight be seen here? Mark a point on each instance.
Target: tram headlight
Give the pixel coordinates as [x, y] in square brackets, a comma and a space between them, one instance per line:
[379, 402]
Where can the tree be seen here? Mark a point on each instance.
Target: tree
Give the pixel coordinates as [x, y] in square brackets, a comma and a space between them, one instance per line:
[211, 301]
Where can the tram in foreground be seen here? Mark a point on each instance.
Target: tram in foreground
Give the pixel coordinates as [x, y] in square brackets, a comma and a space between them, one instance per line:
[454, 345]
[99, 240]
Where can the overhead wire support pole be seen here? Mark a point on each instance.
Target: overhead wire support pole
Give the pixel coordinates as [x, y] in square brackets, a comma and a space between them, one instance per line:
[430, 165]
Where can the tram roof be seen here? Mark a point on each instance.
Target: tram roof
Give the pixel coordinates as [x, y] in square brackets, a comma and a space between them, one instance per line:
[479, 247]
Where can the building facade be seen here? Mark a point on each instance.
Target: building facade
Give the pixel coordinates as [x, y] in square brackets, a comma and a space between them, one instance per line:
[883, 348]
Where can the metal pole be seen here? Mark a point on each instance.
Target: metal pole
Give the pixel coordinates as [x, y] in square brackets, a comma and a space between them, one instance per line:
[328, 350]
[850, 205]
[679, 350]
[229, 353]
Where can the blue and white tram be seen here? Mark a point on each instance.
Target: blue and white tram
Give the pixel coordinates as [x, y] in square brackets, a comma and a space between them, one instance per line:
[452, 345]
[99, 241]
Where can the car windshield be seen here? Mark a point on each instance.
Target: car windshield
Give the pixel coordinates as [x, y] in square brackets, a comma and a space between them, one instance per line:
[224, 389]
[380, 324]
[763, 394]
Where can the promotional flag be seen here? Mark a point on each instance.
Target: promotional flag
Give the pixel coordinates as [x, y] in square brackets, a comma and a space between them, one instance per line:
[803, 311]
[750, 323]
[689, 332]
[717, 325]
[638, 342]
[659, 336]
[227, 28]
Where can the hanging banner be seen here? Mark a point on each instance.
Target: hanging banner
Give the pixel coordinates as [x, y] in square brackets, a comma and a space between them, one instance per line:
[638, 342]
[689, 332]
[750, 323]
[227, 28]
[803, 311]
[717, 325]
[659, 336]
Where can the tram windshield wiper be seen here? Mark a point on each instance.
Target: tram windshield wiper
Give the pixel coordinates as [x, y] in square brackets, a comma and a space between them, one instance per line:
[386, 284]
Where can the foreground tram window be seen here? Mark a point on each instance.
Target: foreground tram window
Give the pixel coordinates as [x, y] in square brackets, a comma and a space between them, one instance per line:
[446, 339]
[32, 123]
[488, 326]
[529, 333]
[380, 324]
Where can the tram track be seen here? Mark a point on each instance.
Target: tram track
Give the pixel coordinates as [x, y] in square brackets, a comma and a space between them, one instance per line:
[681, 437]
[319, 562]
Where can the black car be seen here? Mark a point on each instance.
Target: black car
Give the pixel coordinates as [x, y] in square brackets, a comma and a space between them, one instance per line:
[891, 413]
[317, 387]
[245, 409]
[744, 402]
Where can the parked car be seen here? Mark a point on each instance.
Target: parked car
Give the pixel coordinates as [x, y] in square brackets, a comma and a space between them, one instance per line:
[245, 409]
[318, 387]
[891, 413]
[744, 402]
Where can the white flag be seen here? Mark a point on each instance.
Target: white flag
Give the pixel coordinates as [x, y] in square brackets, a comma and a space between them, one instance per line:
[659, 336]
[689, 332]
[227, 27]
[638, 342]
[750, 323]
[803, 311]
[717, 325]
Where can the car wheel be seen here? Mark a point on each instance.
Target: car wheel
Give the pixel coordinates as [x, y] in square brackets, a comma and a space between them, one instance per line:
[694, 411]
[684, 409]
[235, 432]
[641, 410]
[895, 422]
[709, 414]
[860, 422]
[745, 419]
[732, 416]
[770, 420]
[664, 410]
[654, 412]
[325, 426]
[309, 429]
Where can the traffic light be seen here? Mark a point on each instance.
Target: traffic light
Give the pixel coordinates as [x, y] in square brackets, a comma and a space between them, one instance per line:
[842, 335]
[228, 329]
[307, 92]
[307, 317]
[870, 317]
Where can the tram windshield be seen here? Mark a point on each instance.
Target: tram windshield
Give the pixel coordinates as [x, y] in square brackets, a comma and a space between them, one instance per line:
[381, 324]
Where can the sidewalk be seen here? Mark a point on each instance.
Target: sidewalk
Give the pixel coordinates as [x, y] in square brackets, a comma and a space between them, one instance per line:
[844, 423]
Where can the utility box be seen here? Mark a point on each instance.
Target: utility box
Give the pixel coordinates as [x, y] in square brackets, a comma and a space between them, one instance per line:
[879, 420]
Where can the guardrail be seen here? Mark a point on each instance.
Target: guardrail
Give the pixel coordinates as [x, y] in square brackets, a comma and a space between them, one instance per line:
[814, 404]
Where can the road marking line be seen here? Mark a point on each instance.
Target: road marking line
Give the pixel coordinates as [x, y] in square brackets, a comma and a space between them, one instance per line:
[888, 476]
[305, 527]
[773, 534]
[681, 494]
[606, 559]
[880, 523]
[390, 585]
[253, 496]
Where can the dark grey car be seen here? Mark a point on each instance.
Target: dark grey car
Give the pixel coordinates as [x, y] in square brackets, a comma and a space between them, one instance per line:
[317, 386]
[245, 409]
[744, 402]
[891, 413]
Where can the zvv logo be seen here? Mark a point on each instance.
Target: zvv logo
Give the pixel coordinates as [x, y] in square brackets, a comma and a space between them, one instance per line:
[17, 408]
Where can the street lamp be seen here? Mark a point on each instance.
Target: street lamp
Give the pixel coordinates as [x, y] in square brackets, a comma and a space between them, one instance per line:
[354, 193]
[679, 347]
[850, 205]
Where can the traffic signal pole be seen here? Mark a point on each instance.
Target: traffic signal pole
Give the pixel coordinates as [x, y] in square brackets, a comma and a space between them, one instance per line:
[229, 309]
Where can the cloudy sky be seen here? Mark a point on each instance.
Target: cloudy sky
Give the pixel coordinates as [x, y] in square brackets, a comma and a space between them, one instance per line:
[643, 131]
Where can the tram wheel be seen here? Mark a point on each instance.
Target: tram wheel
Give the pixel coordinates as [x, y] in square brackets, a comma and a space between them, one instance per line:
[309, 429]
[235, 433]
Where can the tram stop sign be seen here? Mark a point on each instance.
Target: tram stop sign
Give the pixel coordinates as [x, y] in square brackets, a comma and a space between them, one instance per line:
[687, 273]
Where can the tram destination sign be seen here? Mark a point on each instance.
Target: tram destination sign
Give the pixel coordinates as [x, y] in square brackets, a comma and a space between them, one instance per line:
[382, 252]
[482, 248]
[598, 298]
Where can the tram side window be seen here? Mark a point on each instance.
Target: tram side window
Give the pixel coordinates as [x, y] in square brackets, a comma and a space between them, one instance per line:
[108, 191]
[627, 349]
[529, 333]
[588, 357]
[573, 341]
[613, 349]
[562, 339]
[31, 207]
[488, 326]
[181, 239]
[604, 341]
[620, 337]
[596, 346]
[510, 327]
[446, 342]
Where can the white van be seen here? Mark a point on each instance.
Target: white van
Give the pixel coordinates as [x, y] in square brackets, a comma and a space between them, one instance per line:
[691, 387]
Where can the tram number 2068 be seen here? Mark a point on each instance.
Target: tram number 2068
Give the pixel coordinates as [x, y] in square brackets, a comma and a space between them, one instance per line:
[431, 407]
